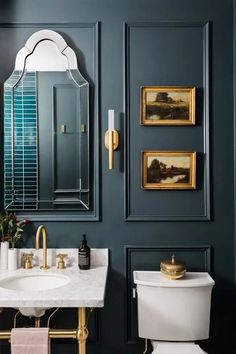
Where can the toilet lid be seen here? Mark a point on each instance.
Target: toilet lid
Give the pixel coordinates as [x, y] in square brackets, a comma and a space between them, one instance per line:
[177, 348]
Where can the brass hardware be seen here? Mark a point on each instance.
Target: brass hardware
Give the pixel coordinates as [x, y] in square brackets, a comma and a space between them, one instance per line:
[61, 262]
[111, 143]
[173, 269]
[27, 260]
[42, 229]
[63, 129]
[80, 334]
[37, 322]
[83, 128]
[53, 333]
[83, 332]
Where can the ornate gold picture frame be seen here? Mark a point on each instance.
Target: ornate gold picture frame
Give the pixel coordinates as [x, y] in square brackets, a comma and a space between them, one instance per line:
[167, 105]
[168, 170]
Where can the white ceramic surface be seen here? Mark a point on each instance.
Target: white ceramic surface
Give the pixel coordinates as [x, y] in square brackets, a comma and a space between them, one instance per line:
[191, 279]
[32, 311]
[173, 310]
[34, 282]
[178, 348]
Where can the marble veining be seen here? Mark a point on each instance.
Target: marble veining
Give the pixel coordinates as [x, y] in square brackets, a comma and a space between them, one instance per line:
[86, 288]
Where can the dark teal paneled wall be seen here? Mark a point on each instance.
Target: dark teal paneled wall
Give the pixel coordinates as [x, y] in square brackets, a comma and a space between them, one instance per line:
[234, 96]
[113, 231]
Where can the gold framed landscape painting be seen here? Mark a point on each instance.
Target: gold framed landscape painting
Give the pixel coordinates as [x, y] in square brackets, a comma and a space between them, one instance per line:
[168, 170]
[167, 105]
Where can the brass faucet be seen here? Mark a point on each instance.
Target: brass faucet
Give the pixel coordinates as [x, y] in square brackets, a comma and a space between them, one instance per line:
[42, 230]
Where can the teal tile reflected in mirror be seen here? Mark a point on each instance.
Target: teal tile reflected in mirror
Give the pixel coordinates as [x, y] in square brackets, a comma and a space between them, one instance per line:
[20, 141]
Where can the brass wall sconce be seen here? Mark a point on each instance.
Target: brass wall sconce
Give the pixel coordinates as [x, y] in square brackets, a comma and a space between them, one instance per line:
[111, 139]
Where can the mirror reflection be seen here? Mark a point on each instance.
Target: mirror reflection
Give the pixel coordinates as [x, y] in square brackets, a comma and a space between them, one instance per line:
[46, 128]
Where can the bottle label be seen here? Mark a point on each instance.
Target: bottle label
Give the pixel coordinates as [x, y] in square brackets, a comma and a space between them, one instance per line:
[83, 259]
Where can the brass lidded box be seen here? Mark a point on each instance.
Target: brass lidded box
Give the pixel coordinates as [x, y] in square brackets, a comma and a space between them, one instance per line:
[172, 268]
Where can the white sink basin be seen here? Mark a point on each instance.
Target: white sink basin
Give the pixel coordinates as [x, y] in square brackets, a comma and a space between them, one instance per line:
[34, 282]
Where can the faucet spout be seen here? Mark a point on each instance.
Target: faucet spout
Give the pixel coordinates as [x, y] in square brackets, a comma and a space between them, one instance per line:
[42, 231]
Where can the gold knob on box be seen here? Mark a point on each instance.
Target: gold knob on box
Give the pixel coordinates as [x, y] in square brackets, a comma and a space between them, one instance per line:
[61, 262]
[172, 268]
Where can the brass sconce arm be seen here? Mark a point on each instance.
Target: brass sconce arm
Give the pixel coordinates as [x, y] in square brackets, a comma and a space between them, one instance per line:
[111, 143]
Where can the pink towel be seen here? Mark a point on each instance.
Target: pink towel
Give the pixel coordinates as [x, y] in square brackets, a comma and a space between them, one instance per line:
[29, 341]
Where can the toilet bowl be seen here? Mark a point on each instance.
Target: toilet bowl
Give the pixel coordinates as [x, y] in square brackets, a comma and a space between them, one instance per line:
[176, 348]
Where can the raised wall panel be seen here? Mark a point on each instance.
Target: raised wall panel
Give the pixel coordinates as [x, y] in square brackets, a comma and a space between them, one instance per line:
[197, 258]
[166, 54]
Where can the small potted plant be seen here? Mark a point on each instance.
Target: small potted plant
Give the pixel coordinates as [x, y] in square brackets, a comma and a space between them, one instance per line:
[11, 233]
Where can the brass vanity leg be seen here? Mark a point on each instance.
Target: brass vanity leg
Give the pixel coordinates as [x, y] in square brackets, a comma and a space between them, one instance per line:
[82, 330]
[37, 322]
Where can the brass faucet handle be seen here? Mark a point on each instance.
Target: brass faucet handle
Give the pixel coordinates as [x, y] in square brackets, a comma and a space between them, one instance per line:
[27, 258]
[61, 262]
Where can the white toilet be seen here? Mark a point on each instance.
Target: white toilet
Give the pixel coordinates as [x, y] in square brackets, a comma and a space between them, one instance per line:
[174, 313]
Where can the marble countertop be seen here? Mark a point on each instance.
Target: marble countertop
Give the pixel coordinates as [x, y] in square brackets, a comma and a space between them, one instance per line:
[86, 288]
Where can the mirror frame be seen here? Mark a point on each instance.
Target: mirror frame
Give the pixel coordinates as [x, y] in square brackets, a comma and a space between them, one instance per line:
[64, 215]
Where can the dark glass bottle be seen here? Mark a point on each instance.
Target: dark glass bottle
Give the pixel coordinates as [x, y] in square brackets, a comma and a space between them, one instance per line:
[84, 255]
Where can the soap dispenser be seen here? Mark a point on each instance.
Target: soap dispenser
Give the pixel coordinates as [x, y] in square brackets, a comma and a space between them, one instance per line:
[84, 255]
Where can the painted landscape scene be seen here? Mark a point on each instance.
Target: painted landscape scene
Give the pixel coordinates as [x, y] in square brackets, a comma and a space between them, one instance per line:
[168, 169]
[168, 105]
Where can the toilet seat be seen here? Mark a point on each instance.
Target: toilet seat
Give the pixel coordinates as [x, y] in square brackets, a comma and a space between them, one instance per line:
[177, 348]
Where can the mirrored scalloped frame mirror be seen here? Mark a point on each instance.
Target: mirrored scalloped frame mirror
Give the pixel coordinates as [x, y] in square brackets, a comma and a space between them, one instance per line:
[47, 145]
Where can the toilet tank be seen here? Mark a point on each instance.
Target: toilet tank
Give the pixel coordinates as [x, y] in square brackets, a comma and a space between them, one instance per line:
[173, 310]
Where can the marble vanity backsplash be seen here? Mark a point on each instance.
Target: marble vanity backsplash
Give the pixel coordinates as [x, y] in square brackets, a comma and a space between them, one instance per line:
[98, 257]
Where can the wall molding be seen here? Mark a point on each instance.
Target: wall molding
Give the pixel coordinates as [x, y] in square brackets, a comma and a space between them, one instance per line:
[94, 214]
[206, 250]
[206, 214]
